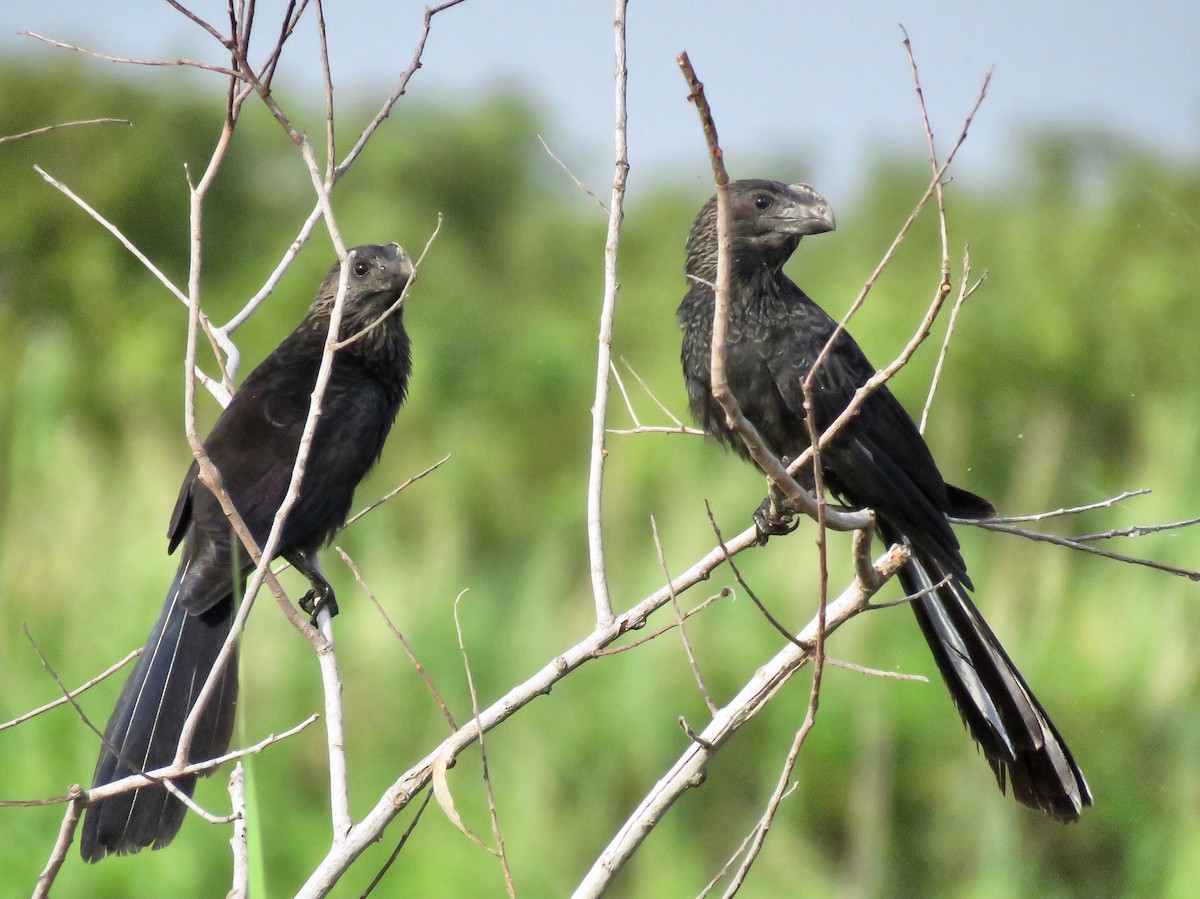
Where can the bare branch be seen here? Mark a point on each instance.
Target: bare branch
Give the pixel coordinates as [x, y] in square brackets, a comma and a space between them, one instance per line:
[60, 126]
[433, 691]
[688, 769]
[66, 833]
[562, 165]
[238, 843]
[616, 215]
[335, 729]
[188, 63]
[1076, 544]
[1058, 513]
[367, 831]
[735, 419]
[216, 388]
[965, 291]
[680, 619]
[395, 490]
[70, 695]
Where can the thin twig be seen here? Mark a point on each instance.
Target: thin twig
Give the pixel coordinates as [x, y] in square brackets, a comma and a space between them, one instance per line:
[616, 215]
[688, 770]
[1073, 543]
[386, 866]
[723, 593]
[680, 618]
[335, 728]
[238, 841]
[60, 126]
[965, 291]
[420, 669]
[66, 834]
[562, 165]
[125, 60]
[737, 574]
[736, 421]
[71, 694]
[395, 490]
[215, 387]
[1058, 513]
[483, 761]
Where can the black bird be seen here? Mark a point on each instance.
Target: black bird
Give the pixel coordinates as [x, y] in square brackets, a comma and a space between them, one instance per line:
[253, 445]
[879, 460]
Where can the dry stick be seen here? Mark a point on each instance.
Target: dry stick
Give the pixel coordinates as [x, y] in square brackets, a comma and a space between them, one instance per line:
[395, 490]
[688, 770]
[314, 216]
[1072, 543]
[433, 691]
[66, 834]
[965, 291]
[639, 428]
[399, 301]
[69, 695]
[637, 425]
[661, 405]
[767, 462]
[616, 214]
[409, 784]
[156, 776]
[872, 581]
[737, 574]
[1138, 530]
[883, 375]
[61, 125]
[238, 842]
[680, 619]
[758, 835]
[386, 866]
[1073, 510]
[575, 178]
[330, 145]
[483, 762]
[943, 231]
[885, 260]
[335, 727]
[723, 593]
[216, 388]
[125, 60]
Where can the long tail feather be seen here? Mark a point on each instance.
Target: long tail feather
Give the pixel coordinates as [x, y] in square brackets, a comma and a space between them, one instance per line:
[1003, 716]
[143, 732]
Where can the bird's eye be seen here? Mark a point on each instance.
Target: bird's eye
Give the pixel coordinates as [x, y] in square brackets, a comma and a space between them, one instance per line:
[762, 201]
[361, 267]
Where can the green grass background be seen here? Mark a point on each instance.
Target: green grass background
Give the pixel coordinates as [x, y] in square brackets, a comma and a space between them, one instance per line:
[1073, 376]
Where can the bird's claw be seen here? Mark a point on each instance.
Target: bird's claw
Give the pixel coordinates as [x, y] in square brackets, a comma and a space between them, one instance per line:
[318, 598]
[772, 521]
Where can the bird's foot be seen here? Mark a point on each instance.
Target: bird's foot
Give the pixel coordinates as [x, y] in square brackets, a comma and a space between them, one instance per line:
[318, 598]
[773, 521]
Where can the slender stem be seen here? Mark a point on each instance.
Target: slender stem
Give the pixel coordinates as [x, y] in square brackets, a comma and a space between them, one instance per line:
[616, 214]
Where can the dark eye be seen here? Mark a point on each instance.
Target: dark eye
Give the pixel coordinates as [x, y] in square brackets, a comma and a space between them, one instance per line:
[361, 267]
[762, 201]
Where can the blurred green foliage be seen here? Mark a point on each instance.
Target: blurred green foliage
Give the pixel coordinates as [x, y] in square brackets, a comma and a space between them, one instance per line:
[1071, 378]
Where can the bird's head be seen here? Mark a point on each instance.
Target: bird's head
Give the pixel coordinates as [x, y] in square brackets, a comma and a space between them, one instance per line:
[375, 277]
[377, 269]
[766, 221]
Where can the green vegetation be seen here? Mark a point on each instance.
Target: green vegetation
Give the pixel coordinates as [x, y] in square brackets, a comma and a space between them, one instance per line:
[1071, 378]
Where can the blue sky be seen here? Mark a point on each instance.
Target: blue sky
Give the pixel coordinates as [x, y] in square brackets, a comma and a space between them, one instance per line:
[826, 84]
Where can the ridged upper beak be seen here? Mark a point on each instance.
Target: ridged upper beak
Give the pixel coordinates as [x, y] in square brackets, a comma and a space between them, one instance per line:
[810, 212]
